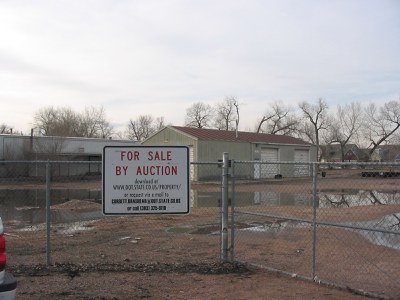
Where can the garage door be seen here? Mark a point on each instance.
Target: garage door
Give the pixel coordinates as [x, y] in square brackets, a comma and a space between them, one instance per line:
[266, 170]
[301, 156]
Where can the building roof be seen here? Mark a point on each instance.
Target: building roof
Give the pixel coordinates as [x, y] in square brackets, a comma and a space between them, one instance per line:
[240, 136]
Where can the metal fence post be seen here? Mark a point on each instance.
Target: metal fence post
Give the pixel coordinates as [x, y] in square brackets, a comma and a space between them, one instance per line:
[314, 220]
[224, 207]
[48, 215]
[233, 195]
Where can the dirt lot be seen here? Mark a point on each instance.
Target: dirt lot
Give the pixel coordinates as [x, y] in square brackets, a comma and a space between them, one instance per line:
[123, 258]
[131, 258]
[167, 257]
[169, 282]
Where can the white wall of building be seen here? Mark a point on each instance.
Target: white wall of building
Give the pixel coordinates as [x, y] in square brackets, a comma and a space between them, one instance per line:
[13, 147]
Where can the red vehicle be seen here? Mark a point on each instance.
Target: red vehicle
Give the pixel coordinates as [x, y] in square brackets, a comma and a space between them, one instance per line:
[8, 284]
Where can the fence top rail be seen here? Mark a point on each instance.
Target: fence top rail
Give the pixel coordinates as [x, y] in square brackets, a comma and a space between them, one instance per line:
[217, 163]
[327, 164]
[87, 161]
[352, 163]
[273, 162]
[50, 161]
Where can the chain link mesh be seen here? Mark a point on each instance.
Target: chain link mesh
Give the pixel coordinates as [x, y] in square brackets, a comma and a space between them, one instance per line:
[335, 223]
[81, 234]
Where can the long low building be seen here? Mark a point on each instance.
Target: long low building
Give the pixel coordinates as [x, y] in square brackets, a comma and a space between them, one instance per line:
[36, 148]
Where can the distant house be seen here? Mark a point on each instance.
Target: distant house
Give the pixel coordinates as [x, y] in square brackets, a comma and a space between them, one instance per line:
[351, 153]
[210, 144]
[386, 153]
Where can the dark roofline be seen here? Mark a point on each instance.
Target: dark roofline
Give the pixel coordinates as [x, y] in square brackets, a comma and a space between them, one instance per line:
[238, 136]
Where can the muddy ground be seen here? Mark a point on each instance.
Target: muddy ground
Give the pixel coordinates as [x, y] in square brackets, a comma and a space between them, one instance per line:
[161, 281]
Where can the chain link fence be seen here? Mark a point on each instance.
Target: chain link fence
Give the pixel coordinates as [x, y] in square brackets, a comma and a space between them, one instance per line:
[52, 215]
[332, 223]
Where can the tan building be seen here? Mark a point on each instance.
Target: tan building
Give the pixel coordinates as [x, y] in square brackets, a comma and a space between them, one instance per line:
[210, 144]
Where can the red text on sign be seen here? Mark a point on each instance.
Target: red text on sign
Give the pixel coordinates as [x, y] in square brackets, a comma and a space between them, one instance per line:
[121, 170]
[159, 155]
[130, 155]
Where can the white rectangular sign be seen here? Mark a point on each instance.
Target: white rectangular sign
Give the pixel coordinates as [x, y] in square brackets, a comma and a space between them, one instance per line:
[145, 180]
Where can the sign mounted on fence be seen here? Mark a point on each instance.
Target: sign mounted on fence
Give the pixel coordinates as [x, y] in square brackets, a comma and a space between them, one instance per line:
[145, 180]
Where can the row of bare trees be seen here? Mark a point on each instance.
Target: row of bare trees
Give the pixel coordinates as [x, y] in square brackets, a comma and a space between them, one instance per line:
[223, 116]
[368, 126]
[91, 123]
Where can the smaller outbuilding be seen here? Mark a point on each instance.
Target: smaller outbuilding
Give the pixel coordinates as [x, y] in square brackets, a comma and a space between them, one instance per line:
[208, 145]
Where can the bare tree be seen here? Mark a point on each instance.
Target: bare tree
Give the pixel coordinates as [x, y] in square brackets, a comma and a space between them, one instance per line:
[56, 121]
[199, 115]
[316, 115]
[306, 131]
[227, 114]
[159, 123]
[279, 119]
[236, 104]
[44, 119]
[93, 123]
[345, 126]
[66, 122]
[144, 126]
[380, 124]
[5, 129]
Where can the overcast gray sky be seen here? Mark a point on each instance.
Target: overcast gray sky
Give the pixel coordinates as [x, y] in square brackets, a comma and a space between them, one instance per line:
[159, 57]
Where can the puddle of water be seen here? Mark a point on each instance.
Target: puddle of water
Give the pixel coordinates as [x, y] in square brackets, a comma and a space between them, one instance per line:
[13, 202]
[275, 227]
[67, 228]
[29, 206]
[358, 198]
[71, 228]
[331, 198]
[27, 209]
[389, 222]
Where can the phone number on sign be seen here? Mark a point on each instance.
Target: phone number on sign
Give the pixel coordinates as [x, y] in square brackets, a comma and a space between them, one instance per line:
[146, 208]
